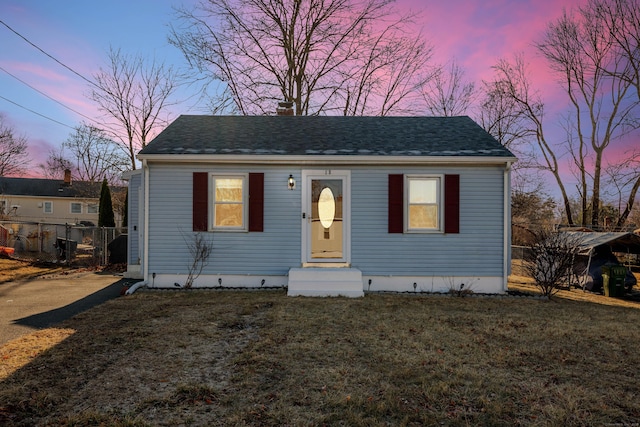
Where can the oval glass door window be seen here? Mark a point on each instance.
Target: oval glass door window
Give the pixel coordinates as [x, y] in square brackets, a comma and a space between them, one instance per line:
[326, 207]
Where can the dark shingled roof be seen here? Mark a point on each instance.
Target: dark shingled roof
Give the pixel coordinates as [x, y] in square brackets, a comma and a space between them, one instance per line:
[326, 135]
[47, 188]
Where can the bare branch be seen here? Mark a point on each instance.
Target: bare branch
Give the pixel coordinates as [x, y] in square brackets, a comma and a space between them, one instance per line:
[200, 250]
[134, 95]
[325, 56]
[550, 260]
[14, 158]
[581, 48]
[448, 93]
[517, 108]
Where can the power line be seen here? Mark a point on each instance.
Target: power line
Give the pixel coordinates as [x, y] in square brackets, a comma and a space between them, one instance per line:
[92, 83]
[49, 97]
[35, 112]
[100, 127]
[103, 128]
[48, 55]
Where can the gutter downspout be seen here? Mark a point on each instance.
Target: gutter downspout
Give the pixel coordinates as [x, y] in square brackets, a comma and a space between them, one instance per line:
[135, 287]
[506, 250]
[145, 255]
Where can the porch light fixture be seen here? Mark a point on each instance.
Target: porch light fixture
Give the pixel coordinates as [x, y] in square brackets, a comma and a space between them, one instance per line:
[291, 183]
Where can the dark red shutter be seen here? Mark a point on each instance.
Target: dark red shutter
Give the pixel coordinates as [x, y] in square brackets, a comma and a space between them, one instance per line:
[452, 203]
[200, 201]
[256, 202]
[396, 203]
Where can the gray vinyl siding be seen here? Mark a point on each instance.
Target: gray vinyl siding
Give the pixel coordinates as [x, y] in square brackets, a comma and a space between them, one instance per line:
[132, 218]
[476, 251]
[271, 252]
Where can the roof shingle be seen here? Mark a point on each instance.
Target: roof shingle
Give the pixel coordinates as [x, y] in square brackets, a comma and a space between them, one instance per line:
[325, 135]
[40, 187]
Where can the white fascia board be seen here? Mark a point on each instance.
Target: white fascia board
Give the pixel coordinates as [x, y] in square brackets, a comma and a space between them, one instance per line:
[325, 159]
[126, 175]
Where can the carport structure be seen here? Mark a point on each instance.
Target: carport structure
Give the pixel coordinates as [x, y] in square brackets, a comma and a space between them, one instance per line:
[592, 244]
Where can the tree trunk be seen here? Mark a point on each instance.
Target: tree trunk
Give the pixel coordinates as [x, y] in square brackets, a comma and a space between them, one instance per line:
[595, 197]
[630, 202]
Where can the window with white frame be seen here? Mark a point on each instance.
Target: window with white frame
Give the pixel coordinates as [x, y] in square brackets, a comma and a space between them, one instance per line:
[76, 207]
[423, 201]
[92, 208]
[229, 202]
[47, 207]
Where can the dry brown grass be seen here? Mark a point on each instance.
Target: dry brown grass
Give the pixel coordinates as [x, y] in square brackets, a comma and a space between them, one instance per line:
[17, 353]
[261, 358]
[11, 269]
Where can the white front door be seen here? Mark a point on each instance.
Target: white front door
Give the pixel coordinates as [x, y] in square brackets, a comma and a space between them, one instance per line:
[326, 233]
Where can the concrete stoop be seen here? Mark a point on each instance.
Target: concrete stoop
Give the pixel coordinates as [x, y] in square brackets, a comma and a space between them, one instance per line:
[325, 282]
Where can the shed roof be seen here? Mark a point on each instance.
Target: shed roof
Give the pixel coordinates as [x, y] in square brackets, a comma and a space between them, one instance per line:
[326, 136]
[619, 242]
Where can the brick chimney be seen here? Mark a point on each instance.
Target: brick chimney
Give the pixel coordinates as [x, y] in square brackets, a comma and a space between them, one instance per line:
[67, 178]
[285, 108]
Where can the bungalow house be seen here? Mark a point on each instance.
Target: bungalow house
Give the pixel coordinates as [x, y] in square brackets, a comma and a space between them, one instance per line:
[323, 205]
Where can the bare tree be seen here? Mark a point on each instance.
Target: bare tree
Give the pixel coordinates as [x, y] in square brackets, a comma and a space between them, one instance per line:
[582, 52]
[513, 87]
[624, 179]
[634, 216]
[531, 212]
[134, 95]
[620, 19]
[14, 157]
[593, 51]
[501, 114]
[325, 56]
[389, 74]
[90, 156]
[94, 155]
[448, 93]
[56, 164]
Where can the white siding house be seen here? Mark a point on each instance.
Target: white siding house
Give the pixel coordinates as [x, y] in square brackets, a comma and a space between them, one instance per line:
[324, 205]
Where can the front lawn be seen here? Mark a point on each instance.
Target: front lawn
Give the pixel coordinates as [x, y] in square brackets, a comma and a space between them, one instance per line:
[261, 358]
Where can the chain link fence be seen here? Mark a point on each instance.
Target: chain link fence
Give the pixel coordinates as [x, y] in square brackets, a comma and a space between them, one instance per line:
[520, 252]
[69, 244]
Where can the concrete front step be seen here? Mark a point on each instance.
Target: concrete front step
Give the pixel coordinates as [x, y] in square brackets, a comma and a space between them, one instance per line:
[325, 282]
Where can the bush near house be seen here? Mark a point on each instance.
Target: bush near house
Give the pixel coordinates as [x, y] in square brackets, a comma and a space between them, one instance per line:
[549, 260]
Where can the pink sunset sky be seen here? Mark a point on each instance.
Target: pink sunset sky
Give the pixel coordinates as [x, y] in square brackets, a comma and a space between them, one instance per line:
[79, 33]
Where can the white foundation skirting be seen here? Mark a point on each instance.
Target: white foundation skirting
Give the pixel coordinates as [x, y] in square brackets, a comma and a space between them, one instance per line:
[348, 282]
[434, 284]
[218, 281]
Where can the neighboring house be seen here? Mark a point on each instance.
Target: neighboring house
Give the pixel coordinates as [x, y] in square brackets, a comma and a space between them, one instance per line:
[52, 201]
[324, 205]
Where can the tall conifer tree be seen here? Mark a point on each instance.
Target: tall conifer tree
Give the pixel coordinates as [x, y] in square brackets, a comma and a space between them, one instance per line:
[105, 216]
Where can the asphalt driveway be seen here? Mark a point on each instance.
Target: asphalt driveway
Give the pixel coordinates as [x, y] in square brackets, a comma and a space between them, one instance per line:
[31, 304]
